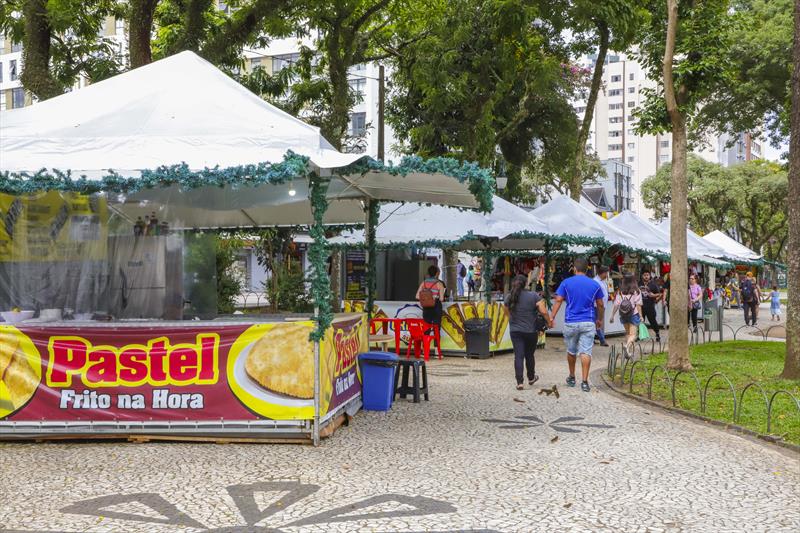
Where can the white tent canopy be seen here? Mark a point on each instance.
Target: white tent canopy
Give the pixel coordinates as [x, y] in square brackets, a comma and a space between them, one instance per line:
[649, 236]
[696, 248]
[415, 223]
[566, 216]
[732, 247]
[182, 109]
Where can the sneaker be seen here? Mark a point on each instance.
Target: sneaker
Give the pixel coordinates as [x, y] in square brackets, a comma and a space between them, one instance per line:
[571, 381]
[534, 380]
[604, 344]
[585, 386]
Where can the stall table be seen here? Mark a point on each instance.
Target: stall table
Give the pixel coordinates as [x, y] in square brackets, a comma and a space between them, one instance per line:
[222, 377]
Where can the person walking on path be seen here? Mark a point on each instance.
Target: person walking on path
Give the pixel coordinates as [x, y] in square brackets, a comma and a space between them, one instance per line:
[470, 282]
[461, 273]
[430, 294]
[628, 302]
[583, 296]
[524, 306]
[751, 296]
[695, 300]
[775, 304]
[601, 278]
[651, 295]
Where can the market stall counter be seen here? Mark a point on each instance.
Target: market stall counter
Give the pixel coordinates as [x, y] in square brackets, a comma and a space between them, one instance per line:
[453, 338]
[250, 377]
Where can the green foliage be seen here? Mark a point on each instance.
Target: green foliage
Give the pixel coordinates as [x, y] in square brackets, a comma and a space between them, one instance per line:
[742, 362]
[760, 55]
[483, 75]
[286, 290]
[218, 36]
[229, 282]
[542, 180]
[750, 197]
[702, 64]
[77, 45]
[318, 254]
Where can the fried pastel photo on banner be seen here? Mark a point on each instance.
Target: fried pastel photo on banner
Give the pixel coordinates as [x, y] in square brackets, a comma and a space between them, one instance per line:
[16, 374]
[282, 360]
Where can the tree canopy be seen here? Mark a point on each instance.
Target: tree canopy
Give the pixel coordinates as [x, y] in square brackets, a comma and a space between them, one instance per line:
[749, 198]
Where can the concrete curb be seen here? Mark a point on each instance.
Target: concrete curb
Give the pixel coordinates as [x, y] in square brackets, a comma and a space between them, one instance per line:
[700, 418]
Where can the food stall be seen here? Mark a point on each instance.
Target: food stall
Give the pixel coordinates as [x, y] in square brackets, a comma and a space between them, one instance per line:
[406, 231]
[107, 196]
[564, 228]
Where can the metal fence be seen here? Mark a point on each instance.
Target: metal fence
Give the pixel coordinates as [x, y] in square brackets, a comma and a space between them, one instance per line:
[630, 363]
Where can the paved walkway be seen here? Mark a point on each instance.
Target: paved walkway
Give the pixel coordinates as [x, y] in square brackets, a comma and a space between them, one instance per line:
[480, 456]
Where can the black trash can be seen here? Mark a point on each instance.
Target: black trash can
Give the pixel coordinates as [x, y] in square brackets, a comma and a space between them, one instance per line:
[477, 333]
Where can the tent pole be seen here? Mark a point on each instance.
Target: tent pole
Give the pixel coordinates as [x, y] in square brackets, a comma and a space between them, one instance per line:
[315, 430]
[486, 274]
[547, 271]
[372, 211]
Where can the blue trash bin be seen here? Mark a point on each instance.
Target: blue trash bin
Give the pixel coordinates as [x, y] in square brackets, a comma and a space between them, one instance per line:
[377, 377]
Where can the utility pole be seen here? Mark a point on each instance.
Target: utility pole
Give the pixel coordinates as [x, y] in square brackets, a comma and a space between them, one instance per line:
[381, 99]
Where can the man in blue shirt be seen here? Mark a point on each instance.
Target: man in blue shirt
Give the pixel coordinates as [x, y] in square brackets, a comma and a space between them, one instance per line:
[583, 296]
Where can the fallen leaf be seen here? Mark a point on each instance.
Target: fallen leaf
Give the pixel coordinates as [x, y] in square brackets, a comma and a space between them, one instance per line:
[605, 462]
[554, 439]
[518, 400]
[567, 505]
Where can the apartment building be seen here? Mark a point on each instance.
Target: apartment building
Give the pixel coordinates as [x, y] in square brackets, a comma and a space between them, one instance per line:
[363, 79]
[614, 139]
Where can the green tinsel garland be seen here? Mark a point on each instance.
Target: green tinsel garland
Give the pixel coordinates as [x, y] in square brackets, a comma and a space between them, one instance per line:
[480, 181]
[373, 213]
[293, 166]
[318, 253]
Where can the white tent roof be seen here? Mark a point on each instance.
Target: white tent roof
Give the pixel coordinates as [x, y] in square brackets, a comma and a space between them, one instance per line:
[696, 248]
[649, 236]
[566, 216]
[731, 246]
[415, 223]
[182, 109]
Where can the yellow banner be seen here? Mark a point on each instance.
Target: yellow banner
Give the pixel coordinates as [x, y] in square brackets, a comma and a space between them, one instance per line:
[53, 226]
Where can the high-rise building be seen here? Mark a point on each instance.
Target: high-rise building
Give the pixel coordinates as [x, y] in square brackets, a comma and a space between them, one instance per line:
[613, 136]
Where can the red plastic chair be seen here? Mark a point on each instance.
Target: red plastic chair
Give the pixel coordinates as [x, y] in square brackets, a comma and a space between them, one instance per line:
[420, 335]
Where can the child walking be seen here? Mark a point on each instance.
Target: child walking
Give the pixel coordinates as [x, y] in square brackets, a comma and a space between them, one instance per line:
[775, 304]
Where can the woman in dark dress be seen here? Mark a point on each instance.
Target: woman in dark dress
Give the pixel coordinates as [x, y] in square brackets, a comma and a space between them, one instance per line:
[523, 306]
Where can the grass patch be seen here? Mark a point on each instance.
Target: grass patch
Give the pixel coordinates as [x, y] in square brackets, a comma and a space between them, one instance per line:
[742, 362]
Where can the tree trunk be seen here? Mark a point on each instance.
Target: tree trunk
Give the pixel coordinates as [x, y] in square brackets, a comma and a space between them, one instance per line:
[194, 24]
[140, 28]
[36, 76]
[514, 183]
[576, 183]
[678, 357]
[791, 365]
[334, 125]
